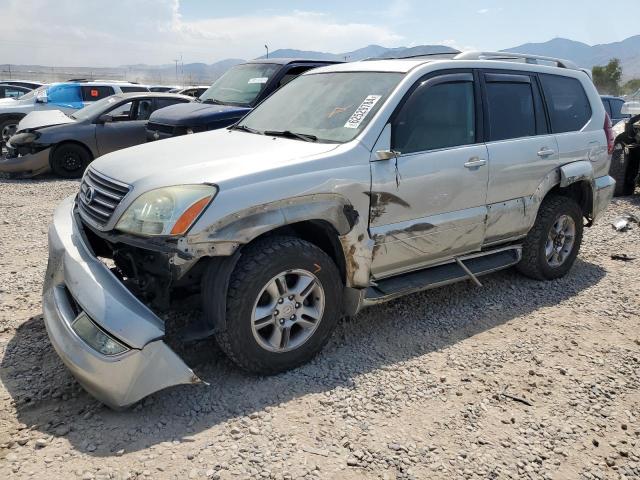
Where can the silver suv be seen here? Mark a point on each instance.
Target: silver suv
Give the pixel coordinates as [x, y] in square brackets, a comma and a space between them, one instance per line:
[352, 185]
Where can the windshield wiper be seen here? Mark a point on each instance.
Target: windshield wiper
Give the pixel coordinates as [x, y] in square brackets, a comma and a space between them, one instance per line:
[289, 134]
[244, 128]
[212, 100]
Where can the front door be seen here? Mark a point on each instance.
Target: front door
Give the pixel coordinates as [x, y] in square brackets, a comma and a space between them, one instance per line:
[428, 203]
[127, 128]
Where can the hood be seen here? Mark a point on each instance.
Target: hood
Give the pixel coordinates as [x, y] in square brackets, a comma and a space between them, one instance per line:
[194, 114]
[44, 118]
[209, 157]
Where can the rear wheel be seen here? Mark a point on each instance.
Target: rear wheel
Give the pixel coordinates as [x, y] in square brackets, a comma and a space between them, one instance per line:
[283, 303]
[552, 245]
[70, 160]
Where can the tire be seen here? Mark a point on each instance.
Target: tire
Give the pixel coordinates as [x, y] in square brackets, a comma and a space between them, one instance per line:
[535, 261]
[69, 160]
[7, 128]
[249, 297]
[621, 172]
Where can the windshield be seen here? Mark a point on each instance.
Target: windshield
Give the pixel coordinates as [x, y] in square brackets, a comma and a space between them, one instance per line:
[241, 85]
[32, 93]
[331, 107]
[95, 108]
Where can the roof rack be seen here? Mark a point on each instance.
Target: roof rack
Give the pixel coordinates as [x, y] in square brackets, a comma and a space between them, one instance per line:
[417, 55]
[511, 56]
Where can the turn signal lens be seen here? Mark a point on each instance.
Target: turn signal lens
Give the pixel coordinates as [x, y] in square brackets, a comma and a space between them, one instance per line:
[189, 216]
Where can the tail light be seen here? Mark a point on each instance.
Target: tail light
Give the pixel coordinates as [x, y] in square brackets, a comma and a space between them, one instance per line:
[608, 131]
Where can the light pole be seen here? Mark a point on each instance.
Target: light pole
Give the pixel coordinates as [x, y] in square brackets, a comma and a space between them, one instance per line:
[267, 47]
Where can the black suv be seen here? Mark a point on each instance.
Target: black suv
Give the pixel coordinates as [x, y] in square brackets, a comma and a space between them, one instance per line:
[231, 97]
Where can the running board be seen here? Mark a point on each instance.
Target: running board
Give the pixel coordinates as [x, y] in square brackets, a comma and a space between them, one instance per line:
[468, 267]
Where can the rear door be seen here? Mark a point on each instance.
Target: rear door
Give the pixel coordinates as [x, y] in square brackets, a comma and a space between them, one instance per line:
[521, 148]
[569, 113]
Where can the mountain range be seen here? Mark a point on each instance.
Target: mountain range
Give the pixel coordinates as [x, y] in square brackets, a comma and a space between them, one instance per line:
[628, 51]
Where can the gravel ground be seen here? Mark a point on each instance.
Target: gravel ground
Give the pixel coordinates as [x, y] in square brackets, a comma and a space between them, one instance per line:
[518, 379]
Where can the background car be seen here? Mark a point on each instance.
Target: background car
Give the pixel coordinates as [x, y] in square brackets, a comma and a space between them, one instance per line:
[163, 88]
[67, 97]
[66, 144]
[30, 84]
[193, 91]
[12, 91]
[231, 97]
[613, 106]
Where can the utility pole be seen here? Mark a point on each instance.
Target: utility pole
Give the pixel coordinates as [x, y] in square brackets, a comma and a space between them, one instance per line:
[176, 60]
[267, 47]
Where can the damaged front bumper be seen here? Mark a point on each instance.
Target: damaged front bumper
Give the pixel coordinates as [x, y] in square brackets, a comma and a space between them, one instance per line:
[25, 165]
[77, 282]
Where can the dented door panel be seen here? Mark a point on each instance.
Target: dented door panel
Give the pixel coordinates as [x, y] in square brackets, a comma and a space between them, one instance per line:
[430, 207]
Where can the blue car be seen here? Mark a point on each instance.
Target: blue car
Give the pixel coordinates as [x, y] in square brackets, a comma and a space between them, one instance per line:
[230, 98]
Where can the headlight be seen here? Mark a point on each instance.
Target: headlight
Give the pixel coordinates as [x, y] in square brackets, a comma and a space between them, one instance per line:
[24, 138]
[95, 337]
[166, 211]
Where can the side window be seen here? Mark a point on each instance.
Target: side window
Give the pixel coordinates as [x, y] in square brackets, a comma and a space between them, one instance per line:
[122, 112]
[142, 109]
[437, 116]
[91, 93]
[510, 107]
[133, 89]
[568, 105]
[292, 73]
[616, 109]
[10, 92]
[65, 95]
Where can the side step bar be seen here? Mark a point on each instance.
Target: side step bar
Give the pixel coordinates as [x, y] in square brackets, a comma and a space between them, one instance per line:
[468, 267]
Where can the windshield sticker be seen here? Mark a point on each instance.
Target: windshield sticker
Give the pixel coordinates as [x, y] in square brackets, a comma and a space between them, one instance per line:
[362, 111]
[258, 80]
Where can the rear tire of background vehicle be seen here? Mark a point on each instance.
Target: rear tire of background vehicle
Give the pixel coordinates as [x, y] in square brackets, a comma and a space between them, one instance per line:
[7, 128]
[69, 160]
[552, 245]
[283, 303]
[621, 172]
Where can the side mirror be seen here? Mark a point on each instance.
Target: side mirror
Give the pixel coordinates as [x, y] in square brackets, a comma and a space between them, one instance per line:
[105, 118]
[42, 97]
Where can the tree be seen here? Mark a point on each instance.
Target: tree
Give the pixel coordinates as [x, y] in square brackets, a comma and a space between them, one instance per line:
[607, 78]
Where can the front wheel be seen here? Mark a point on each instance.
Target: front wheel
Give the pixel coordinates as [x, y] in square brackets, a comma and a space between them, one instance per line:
[552, 245]
[7, 129]
[70, 160]
[283, 303]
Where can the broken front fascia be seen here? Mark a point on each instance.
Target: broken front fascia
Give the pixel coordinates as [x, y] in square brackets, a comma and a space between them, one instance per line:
[28, 161]
[76, 281]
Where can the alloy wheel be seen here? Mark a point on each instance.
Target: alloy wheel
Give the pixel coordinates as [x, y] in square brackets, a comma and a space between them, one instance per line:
[560, 240]
[288, 311]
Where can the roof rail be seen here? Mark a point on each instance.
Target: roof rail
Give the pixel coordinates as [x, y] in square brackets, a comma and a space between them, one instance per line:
[511, 56]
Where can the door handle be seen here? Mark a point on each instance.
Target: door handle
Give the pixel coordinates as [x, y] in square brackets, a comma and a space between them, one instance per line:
[546, 152]
[475, 162]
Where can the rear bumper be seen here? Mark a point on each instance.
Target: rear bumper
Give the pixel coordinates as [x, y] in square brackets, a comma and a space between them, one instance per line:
[27, 165]
[75, 279]
[602, 195]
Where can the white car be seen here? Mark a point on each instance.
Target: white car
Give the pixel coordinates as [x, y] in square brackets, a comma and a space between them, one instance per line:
[67, 97]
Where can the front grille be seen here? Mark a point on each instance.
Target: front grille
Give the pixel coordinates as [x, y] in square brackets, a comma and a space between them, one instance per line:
[99, 196]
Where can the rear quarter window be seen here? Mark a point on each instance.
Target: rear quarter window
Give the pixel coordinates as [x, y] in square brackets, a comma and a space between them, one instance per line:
[567, 102]
[91, 93]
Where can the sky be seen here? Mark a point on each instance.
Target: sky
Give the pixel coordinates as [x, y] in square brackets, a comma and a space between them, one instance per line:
[124, 32]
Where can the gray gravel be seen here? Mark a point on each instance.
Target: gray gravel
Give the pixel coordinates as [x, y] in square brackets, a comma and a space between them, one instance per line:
[518, 379]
